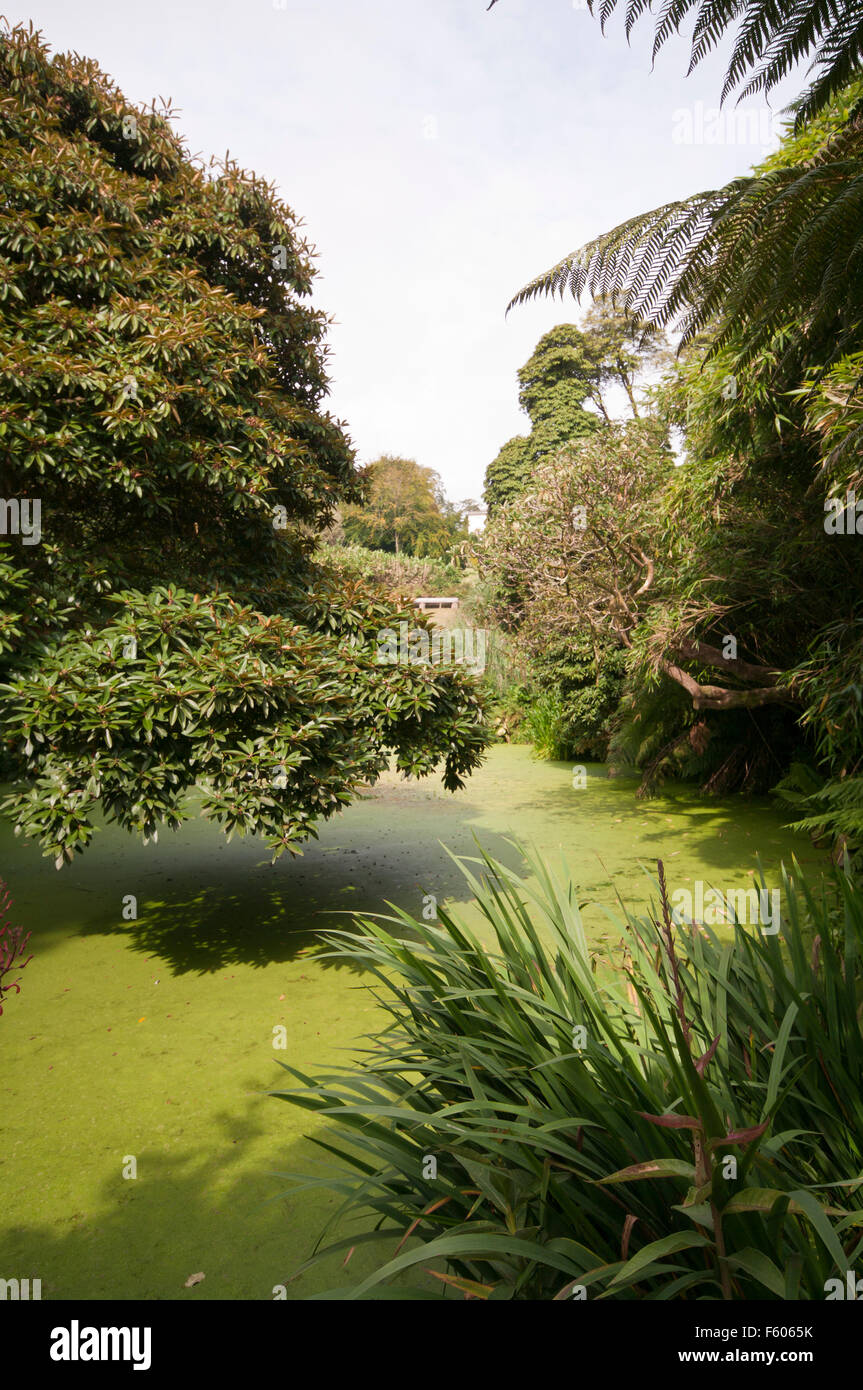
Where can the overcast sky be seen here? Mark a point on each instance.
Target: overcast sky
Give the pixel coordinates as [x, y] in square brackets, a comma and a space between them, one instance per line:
[440, 155]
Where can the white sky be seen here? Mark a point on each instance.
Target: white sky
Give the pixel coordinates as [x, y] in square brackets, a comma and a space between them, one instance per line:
[440, 156]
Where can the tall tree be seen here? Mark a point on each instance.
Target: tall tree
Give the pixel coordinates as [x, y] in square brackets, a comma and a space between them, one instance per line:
[166, 464]
[553, 386]
[621, 352]
[507, 474]
[570, 367]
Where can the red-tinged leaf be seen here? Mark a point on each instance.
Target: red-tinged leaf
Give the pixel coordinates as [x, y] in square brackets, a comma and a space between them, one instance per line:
[673, 1121]
[348, 1255]
[708, 1056]
[469, 1287]
[740, 1136]
[412, 1227]
[653, 1168]
[627, 1231]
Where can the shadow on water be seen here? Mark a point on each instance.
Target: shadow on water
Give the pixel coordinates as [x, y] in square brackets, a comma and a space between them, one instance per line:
[204, 903]
[257, 924]
[220, 1211]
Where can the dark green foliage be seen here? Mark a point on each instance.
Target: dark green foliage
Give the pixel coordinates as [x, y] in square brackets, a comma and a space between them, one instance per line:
[829, 801]
[658, 732]
[765, 277]
[829, 681]
[653, 734]
[161, 387]
[509, 473]
[833, 808]
[586, 695]
[553, 387]
[834, 403]
[743, 554]
[598, 1158]
[836, 809]
[763, 567]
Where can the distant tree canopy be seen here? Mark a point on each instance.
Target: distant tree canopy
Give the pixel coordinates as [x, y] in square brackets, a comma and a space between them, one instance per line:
[406, 511]
[572, 366]
[165, 468]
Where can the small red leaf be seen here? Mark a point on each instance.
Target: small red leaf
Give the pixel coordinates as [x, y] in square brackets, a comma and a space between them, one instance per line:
[627, 1231]
[469, 1287]
[708, 1056]
[740, 1136]
[673, 1121]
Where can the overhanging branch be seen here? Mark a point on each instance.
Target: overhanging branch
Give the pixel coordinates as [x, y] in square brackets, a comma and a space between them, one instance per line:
[706, 655]
[716, 697]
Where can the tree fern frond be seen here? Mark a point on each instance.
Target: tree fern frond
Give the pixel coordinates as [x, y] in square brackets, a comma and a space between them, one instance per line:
[784, 242]
[710, 25]
[670, 18]
[757, 36]
[772, 36]
[634, 10]
[841, 63]
[794, 43]
[606, 10]
[605, 264]
[835, 809]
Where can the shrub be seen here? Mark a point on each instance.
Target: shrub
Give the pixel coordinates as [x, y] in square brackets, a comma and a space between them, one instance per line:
[585, 693]
[401, 575]
[543, 724]
[583, 1117]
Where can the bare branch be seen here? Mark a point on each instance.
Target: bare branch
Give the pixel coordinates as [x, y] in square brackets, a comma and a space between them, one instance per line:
[712, 656]
[715, 697]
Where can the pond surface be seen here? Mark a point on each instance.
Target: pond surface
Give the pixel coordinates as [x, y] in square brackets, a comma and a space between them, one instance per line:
[153, 1038]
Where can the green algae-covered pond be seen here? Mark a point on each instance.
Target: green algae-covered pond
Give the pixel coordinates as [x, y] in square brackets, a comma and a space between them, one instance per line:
[153, 1037]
